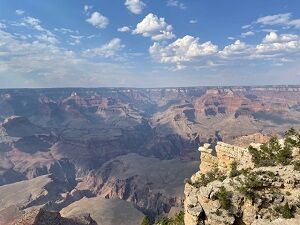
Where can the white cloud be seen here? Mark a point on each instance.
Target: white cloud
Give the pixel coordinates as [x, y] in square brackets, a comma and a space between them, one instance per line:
[176, 3]
[154, 27]
[47, 39]
[36, 64]
[279, 19]
[238, 48]
[107, 50]
[2, 26]
[193, 21]
[135, 6]
[274, 37]
[75, 39]
[33, 22]
[124, 29]
[246, 26]
[275, 47]
[98, 20]
[87, 8]
[279, 43]
[246, 34]
[20, 12]
[43, 35]
[184, 49]
[65, 30]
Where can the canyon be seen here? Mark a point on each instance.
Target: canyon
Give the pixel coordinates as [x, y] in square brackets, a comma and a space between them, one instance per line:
[124, 147]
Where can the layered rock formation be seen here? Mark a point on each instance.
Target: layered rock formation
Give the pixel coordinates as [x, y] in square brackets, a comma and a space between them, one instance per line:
[222, 156]
[43, 217]
[231, 189]
[79, 134]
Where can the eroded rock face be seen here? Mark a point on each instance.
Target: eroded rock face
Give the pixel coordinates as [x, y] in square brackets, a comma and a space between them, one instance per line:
[256, 196]
[75, 132]
[43, 217]
[222, 156]
[153, 185]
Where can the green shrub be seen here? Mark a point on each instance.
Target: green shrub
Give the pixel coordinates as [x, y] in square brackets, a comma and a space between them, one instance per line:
[224, 197]
[286, 211]
[188, 181]
[234, 171]
[209, 177]
[177, 220]
[146, 221]
[273, 153]
[164, 221]
[252, 183]
[297, 165]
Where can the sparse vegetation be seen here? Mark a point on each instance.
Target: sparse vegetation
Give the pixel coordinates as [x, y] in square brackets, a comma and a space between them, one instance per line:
[234, 171]
[146, 221]
[274, 153]
[286, 211]
[297, 165]
[209, 177]
[187, 181]
[224, 197]
[255, 181]
[177, 220]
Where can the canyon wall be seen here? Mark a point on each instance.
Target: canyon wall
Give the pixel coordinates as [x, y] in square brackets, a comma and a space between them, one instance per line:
[219, 194]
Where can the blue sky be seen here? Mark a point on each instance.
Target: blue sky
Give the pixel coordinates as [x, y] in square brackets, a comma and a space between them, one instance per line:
[148, 43]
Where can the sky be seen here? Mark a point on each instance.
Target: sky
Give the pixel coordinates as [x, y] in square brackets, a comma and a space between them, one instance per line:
[148, 43]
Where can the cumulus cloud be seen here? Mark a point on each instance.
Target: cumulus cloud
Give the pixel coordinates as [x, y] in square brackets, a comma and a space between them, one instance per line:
[238, 48]
[279, 19]
[182, 50]
[135, 6]
[20, 12]
[274, 37]
[176, 3]
[188, 51]
[154, 27]
[124, 29]
[98, 20]
[279, 43]
[193, 21]
[107, 50]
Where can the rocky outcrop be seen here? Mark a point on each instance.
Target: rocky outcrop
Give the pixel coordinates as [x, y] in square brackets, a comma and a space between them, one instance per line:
[222, 156]
[43, 217]
[230, 189]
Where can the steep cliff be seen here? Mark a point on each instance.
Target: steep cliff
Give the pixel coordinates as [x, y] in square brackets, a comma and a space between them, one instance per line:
[246, 186]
